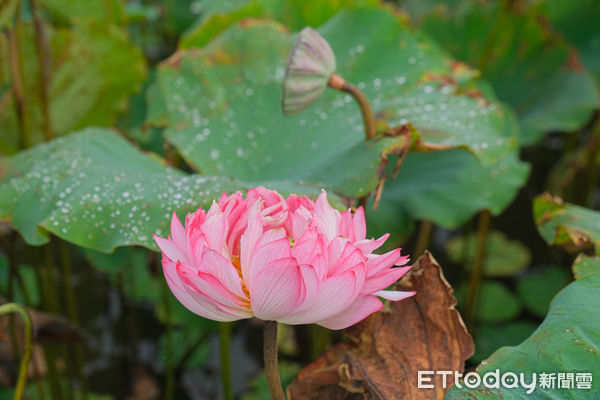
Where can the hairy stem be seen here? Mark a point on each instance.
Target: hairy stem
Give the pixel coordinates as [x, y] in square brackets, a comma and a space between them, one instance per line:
[22, 380]
[271, 361]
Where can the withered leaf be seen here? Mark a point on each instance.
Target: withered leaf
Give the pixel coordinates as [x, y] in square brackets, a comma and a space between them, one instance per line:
[422, 333]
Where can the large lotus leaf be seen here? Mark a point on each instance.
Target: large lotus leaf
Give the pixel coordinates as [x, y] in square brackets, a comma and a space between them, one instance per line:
[220, 15]
[577, 21]
[96, 190]
[566, 224]
[223, 104]
[527, 65]
[93, 71]
[447, 188]
[566, 342]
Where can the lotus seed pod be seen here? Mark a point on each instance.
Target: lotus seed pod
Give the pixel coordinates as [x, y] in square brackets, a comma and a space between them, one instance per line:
[309, 68]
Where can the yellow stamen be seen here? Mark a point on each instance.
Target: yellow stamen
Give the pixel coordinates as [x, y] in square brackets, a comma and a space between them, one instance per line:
[235, 260]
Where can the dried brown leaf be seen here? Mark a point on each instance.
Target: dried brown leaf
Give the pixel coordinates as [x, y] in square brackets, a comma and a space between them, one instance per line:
[424, 332]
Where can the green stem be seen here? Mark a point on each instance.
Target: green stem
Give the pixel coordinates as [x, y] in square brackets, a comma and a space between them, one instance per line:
[42, 48]
[66, 270]
[17, 85]
[224, 347]
[320, 340]
[170, 373]
[73, 314]
[423, 238]
[11, 320]
[51, 304]
[591, 173]
[483, 228]
[10, 252]
[271, 360]
[190, 351]
[22, 379]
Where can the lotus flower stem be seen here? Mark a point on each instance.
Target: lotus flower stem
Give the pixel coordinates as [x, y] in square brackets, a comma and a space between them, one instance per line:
[271, 362]
[22, 380]
[339, 83]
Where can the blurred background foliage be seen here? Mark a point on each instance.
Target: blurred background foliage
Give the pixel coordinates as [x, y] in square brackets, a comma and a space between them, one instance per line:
[149, 106]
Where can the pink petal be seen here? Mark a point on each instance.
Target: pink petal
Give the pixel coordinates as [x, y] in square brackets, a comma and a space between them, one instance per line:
[335, 294]
[196, 249]
[209, 286]
[383, 280]
[195, 219]
[231, 314]
[294, 202]
[360, 309]
[199, 305]
[377, 263]
[335, 249]
[326, 218]
[346, 227]
[215, 264]
[360, 226]
[349, 258]
[394, 295]
[367, 246]
[250, 237]
[305, 252]
[177, 232]
[273, 245]
[169, 249]
[278, 290]
[300, 221]
[215, 228]
[311, 281]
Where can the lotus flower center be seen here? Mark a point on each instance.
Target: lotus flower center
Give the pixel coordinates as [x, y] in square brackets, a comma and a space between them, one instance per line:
[235, 260]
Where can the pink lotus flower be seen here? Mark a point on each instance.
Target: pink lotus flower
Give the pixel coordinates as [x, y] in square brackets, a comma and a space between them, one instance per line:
[289, 260]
